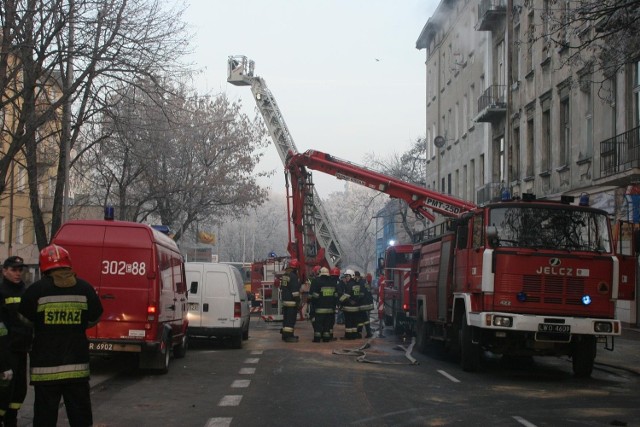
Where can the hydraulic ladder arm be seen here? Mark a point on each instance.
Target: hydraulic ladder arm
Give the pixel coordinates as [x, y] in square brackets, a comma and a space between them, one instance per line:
[320, 235]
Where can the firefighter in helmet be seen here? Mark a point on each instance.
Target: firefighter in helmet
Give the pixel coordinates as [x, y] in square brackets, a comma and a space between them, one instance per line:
[366, 304]
[60, 306]
[335, 277]
[11, 290]
[325, 296]
[350, 302]
[290, 294]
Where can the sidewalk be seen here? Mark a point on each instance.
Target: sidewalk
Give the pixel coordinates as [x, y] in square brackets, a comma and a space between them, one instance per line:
[626, 351]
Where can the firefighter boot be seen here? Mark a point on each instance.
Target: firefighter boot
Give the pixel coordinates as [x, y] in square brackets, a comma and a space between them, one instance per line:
[291, 339]
[369, 333]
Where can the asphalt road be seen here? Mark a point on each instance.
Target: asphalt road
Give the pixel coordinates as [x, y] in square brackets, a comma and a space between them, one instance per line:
[272, 383]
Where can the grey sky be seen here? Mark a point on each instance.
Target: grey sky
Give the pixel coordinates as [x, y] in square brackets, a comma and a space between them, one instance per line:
[345, 73]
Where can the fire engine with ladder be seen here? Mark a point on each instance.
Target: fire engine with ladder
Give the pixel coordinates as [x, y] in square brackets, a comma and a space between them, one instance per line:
[517, 277]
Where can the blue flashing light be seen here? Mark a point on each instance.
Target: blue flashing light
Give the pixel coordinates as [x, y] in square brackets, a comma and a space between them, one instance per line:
[522, 297]
[109, 213]
[584, 199]
[586, 299]
[162, 228]
[505, 195]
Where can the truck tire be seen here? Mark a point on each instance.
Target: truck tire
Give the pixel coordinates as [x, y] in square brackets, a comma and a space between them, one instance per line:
[236, 341]
[165, 356]
[180, 350]
[421, 334]
[245, 333]
[583, 355]
[470, 353]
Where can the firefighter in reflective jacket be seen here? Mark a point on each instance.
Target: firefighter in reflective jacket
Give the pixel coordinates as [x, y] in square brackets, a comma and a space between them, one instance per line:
[60, 307]
[324, 296]
[290, 295]
[366, 305]
[11, 290]
[6, 373]
[350, 302]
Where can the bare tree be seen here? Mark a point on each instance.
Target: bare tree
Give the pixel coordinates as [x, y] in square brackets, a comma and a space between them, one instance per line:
[179, 158]
[602, 36]
[409, 166]
[60, 61]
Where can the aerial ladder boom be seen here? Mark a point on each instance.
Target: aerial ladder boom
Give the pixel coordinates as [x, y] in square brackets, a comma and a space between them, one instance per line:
[323, 237]
[421, 200]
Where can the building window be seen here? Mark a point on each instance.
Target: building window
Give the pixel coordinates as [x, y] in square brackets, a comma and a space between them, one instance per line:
[472, 177]
[530, 147]
[21, 184]
[20, 231]
[498, 175]
[464, 182]
[514, 155]
[545, 140]
[636, 95]
[587, 101]
[472, 102]
[565, 131]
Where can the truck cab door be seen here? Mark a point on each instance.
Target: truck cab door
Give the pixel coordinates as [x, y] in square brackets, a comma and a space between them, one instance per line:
[626, 249]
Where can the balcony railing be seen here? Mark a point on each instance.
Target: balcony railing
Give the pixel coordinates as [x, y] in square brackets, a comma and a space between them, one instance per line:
[488, 193]
[492, 104]
[490, 12]
[620, 153]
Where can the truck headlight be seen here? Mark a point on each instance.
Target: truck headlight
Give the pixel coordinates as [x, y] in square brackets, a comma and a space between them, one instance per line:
[603, 327]
[503, 321]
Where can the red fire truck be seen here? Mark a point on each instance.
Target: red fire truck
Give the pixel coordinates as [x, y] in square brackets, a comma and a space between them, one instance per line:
[518, 277]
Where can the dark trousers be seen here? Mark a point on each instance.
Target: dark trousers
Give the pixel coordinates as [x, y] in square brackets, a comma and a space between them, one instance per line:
[289, 315]
[76, 398]
[325, 324]
[351, 324]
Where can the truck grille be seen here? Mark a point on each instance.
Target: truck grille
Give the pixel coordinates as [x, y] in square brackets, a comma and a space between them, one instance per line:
[554, 289]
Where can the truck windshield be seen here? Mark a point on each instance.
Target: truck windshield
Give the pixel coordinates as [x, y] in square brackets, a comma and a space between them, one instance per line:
[550, 228]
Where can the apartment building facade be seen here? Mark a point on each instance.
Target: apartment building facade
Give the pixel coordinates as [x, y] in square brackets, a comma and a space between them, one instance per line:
[507, 110]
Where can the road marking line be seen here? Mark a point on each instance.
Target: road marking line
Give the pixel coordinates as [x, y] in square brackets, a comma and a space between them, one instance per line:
[451, 377]
[240, 383]
[523, 421]
[218, 422]
[256, 352]
[252, 360]
[247, 371]
[230, 400]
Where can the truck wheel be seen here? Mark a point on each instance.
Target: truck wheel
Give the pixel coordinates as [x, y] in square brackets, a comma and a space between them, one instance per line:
[166, 356]
[421, 334]
[180, 350]
[583, 356]
[470, 353]
[236, 341]
[245, 334]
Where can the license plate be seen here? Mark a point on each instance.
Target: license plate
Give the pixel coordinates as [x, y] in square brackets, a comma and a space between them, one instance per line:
[193, 306]
[554, 329]
[101, 346]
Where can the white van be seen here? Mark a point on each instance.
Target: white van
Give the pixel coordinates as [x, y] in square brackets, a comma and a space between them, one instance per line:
[218, 305]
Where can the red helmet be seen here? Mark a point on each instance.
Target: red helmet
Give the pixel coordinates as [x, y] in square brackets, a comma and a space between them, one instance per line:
[335, 271]
[293, 263]
[54, 256]
[316, 269]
